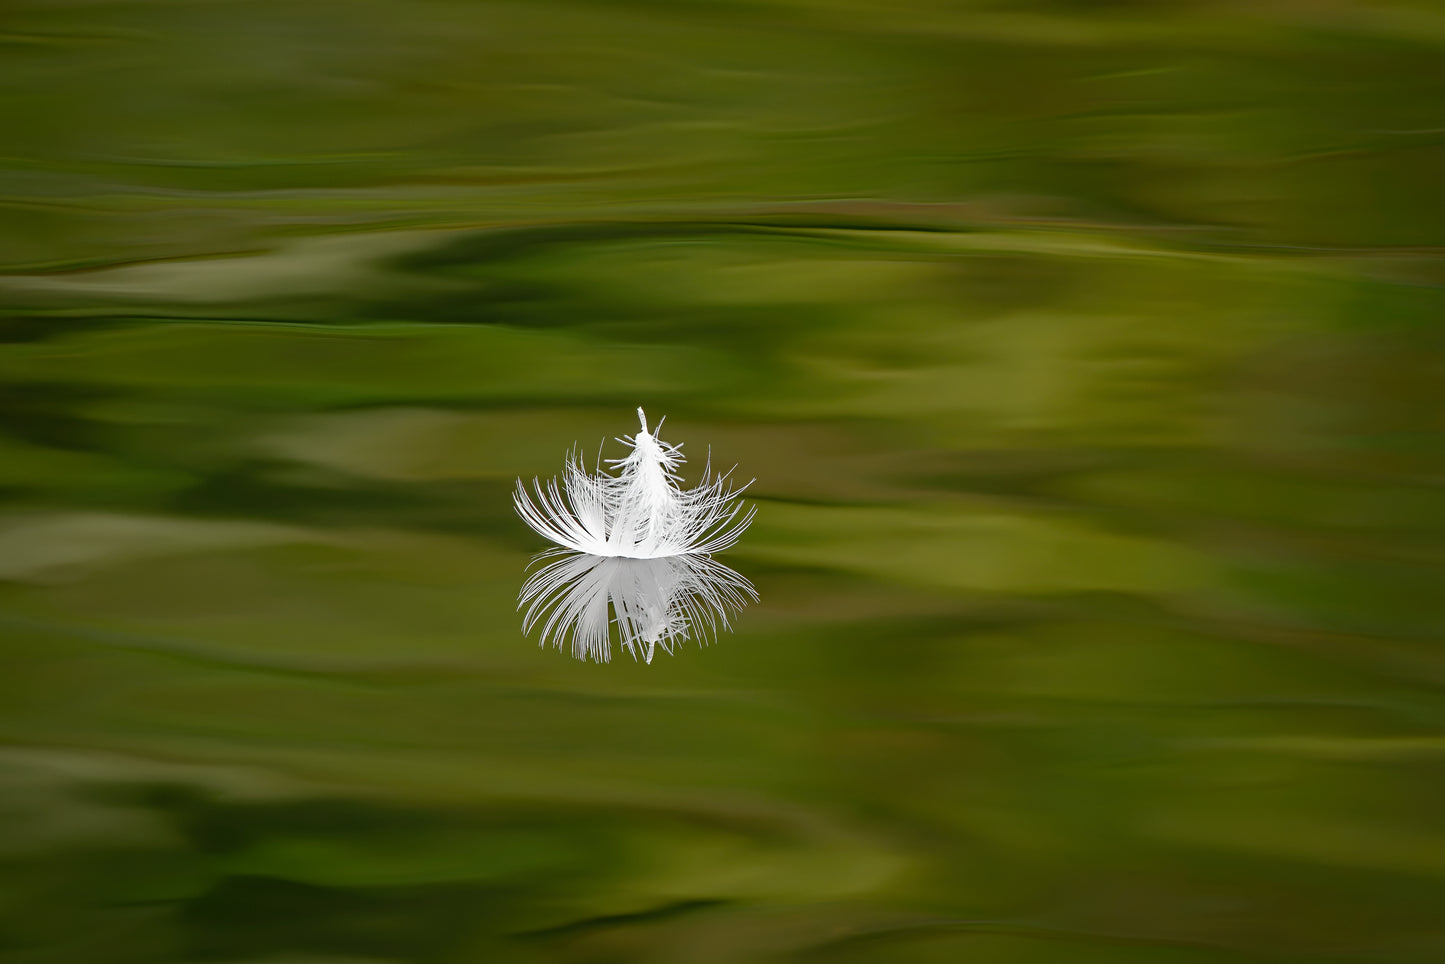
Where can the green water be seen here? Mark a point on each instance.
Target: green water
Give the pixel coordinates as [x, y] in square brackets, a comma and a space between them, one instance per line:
[1089, 359]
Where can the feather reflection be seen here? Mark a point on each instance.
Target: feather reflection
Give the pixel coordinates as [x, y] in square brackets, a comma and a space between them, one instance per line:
[655, 602]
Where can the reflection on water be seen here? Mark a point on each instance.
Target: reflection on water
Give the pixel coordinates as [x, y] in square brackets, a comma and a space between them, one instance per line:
[1088, 359]
[654, 602]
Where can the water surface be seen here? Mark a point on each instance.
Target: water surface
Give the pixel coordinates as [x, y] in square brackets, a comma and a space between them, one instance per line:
[1088, 358]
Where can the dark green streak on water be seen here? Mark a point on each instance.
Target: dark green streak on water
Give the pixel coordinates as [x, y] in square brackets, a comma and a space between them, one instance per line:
[1089, 359]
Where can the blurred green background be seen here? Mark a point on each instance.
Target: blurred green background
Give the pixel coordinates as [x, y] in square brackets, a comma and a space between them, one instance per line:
[1090, 358]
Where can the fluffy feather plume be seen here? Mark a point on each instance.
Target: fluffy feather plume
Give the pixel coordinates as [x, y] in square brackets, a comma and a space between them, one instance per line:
[657, 602]
[641, 511]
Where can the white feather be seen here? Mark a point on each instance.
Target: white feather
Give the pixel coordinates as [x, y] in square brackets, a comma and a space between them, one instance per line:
[641, 512]
[656, 602]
